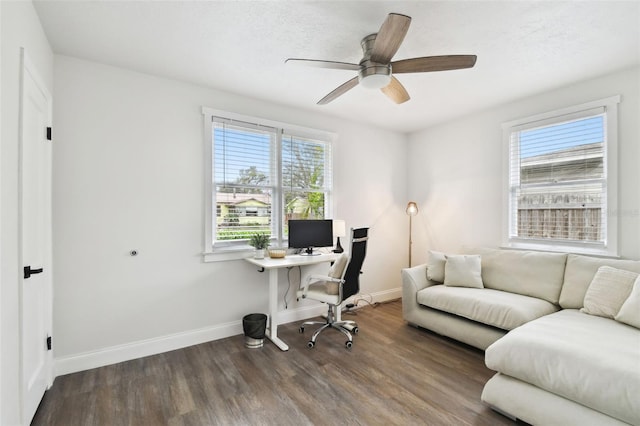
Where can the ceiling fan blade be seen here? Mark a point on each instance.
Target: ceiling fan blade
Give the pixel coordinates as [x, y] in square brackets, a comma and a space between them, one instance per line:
[396, 91]
[340, 90]
[323, 64]
[389, 38]
[433, 63]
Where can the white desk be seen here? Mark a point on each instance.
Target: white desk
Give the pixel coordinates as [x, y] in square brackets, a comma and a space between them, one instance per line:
[272, 265]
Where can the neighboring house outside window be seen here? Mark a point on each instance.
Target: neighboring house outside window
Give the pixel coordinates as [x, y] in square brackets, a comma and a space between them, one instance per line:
[562, 175]
[260, 174]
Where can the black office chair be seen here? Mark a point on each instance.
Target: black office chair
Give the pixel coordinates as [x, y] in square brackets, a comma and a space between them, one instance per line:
[338, 285]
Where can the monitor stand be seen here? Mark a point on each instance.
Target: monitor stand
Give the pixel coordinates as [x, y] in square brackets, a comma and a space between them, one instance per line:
[309, 252]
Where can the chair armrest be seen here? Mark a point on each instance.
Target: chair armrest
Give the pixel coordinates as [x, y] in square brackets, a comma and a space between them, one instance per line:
[314, 278]
[318, 278]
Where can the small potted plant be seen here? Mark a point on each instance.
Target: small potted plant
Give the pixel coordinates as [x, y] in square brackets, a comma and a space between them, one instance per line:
[260, 242]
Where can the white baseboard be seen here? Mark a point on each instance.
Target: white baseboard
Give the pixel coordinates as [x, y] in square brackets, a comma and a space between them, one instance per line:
[381, 296]
[142, 348]
[114, 354]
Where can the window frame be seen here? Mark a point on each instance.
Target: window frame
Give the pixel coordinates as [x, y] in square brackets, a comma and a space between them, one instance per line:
[232, 250]
[609, 247]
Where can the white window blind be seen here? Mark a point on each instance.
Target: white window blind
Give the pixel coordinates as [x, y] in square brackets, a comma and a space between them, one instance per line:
[558, 183]
[262, 175]
[306, 177]
[560, 179]
[243, 172]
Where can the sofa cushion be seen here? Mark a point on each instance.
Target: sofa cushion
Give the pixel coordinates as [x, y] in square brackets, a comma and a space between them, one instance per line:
[587, 359]
[579, 273]
[539, 407]
[630, 311]
[463, 271]
[607, 292]
[529, 273]
[492, 307]
[435, 266]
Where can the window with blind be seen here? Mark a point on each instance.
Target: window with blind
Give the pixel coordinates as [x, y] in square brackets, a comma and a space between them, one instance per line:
[263, 173]
[561, 179]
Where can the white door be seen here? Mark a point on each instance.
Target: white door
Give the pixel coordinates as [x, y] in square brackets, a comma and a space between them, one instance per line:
[35, 237]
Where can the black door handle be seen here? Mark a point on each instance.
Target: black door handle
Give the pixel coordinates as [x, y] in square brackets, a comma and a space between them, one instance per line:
[28, 271]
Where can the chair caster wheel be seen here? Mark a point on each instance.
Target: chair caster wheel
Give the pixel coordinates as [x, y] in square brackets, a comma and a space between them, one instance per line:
[310, 344]
[348, 344]
[355, 330]
[301, 330]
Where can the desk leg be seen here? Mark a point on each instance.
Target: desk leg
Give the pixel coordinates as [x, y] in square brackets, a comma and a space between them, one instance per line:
[272, 332]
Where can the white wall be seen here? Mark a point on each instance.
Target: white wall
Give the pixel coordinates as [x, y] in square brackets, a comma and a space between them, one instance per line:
[20, 27]
[456, 168]
[128, 174]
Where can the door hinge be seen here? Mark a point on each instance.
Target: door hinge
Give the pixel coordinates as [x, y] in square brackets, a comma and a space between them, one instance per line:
[48, 133]
[48, 343]
[28, 271]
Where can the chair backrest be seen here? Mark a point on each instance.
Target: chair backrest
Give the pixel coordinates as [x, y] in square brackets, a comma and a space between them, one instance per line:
[358, 252]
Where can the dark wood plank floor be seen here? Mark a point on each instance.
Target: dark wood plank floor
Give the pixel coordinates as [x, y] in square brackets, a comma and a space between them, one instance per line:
[395, 374]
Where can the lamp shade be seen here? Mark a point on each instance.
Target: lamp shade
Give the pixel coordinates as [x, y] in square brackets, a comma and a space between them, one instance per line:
[339, 229]
[412, 208]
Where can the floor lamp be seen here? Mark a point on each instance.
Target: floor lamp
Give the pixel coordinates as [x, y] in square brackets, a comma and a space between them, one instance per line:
[412, 210]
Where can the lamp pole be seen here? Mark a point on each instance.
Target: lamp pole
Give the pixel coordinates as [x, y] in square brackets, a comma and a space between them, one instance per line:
[412, 210]
[410, 240]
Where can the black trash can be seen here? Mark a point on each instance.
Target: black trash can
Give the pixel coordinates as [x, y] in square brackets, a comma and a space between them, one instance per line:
[254, 326]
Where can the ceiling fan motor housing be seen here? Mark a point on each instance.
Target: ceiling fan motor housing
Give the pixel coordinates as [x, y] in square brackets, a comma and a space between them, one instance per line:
[373, 75]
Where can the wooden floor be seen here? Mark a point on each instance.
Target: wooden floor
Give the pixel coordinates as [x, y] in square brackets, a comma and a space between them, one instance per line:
[395, 374]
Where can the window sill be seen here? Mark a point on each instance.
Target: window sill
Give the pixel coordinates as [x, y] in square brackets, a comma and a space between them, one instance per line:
[588, 250]
[228, 253]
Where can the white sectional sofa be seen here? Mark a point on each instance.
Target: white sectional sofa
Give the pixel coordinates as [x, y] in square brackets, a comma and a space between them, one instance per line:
[555, 364]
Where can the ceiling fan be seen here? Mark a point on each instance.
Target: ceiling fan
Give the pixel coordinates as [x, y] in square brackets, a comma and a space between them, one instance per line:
[376, 70]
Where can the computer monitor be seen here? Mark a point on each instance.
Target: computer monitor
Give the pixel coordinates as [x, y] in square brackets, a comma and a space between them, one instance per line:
[307, 234]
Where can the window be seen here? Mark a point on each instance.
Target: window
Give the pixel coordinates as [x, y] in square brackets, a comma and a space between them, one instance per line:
[562, 179]
[260, 174]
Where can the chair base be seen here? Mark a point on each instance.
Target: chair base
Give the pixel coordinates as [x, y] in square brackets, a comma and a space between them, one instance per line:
[345, 327]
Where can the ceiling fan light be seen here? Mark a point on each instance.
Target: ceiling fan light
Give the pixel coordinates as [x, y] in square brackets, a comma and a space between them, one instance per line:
[375, 81]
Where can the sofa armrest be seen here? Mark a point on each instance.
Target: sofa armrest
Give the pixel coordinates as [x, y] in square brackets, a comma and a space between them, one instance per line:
[413, 280]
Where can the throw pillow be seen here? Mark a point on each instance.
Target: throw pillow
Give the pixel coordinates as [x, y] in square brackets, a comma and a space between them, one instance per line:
[607, 292]
[435, 266]
[336, 271]
[630, 311]
[463, 271]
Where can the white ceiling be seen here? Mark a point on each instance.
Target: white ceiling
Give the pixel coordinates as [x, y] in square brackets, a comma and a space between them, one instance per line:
[523, 48]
